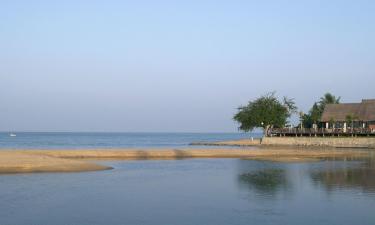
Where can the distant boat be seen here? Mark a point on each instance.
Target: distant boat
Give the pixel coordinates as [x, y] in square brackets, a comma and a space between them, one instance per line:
[12, 135]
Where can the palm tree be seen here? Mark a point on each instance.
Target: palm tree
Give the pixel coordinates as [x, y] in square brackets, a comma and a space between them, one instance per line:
[328, 98]
[350, 120]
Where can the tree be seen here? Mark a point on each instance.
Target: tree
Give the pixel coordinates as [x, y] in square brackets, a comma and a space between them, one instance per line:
[315, 113]
[266, 112]
[301, 118]
[332, 122]
[317, 109]
[349, 119]
[328, 98]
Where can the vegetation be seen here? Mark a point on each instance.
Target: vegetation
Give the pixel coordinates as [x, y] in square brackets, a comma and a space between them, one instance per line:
[332, 122]
[265, 112]
[268, 112]
[349, 120]
[315, 113]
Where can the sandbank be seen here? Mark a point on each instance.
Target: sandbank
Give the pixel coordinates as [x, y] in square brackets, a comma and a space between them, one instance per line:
[26, 161]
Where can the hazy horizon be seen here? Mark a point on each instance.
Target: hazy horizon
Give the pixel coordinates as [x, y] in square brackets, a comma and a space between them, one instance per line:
[147, 66]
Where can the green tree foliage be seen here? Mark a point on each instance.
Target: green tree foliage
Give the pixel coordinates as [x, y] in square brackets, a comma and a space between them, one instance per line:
[349, 119]
[313, 116]
[332, 122]
[266, 112]
[317, 110]
[328, 98]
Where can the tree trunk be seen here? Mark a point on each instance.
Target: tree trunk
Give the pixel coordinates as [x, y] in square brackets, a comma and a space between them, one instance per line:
[266, 130]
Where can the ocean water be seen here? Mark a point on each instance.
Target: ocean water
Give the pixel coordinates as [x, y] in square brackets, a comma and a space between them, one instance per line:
[77, 140]
[195, 191]
[184, 191]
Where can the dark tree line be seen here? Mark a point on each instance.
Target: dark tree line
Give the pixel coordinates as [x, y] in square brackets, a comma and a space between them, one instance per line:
[268, 112]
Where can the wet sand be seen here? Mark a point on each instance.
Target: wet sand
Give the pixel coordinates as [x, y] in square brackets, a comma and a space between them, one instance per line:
[22, 162]
[238, 143]
[26, 161]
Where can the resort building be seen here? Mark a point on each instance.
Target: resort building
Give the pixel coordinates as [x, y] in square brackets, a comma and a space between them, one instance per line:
[348, 116]
[348, 119]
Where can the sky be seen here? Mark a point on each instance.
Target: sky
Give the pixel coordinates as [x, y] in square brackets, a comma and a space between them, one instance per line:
[175, 66]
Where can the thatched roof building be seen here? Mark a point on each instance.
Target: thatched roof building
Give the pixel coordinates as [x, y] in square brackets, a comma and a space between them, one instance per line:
[363, 112]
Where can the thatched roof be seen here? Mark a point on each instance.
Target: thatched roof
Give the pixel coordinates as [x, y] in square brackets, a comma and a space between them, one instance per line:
[367, 110]
[364, 111]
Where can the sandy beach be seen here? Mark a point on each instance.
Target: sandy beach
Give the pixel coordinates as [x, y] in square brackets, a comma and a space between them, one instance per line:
[24, 162]
[27, 161]
[238, 143]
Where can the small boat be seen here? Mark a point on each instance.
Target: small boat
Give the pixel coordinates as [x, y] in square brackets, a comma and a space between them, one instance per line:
[12, 135]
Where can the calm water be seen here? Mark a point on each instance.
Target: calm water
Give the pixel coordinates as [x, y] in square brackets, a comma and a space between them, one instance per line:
[190, 191]
[111, 140]
[195, 191]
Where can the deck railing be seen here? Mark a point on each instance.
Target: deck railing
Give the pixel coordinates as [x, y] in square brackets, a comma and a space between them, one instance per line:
[321, 132]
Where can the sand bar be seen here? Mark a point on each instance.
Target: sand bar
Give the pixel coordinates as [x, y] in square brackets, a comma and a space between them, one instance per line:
[24, 161]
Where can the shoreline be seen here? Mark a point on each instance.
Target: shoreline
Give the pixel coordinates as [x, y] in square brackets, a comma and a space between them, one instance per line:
[233, 143]
[29, 161]
[325, 142]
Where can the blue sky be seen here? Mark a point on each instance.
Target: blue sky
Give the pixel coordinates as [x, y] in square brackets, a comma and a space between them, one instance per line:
[175, 65]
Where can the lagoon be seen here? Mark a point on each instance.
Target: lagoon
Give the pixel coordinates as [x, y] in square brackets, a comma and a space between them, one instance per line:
[195, 191]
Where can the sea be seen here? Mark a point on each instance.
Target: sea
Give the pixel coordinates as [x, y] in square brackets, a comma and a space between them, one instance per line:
[184, 191]
[95, 140]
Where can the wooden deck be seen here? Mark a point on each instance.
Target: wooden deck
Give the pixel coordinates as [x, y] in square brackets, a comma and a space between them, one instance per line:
[321, 132]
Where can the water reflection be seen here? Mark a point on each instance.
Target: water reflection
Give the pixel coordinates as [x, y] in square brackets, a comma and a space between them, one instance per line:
[265, 180]
[346, 175]
[269, 180]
